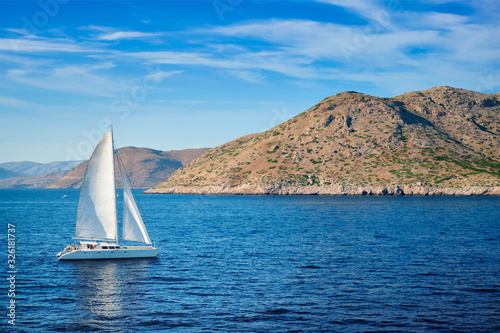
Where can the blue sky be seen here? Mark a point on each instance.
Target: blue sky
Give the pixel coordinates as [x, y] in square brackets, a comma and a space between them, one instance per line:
[188, 74]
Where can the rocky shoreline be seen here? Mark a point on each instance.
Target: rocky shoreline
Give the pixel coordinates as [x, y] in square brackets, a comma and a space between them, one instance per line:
[418, 190]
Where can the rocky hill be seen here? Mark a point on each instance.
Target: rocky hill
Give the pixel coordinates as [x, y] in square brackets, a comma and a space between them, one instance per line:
[439, 141]
[145, 167]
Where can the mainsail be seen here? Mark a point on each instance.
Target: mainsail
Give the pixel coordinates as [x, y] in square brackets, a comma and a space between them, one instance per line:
[96, 217]
[133, 225]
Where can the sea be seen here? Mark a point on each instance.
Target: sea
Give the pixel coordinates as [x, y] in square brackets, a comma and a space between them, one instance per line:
[259, 264]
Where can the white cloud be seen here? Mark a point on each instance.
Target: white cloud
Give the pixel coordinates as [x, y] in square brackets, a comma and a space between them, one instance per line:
[438, 20]
[17, 103]
[249, 76]
[406, 41]
[355, 5]
[113, 34]
[161, 75]
[275, 61]
[125, 35]
[301, 49]
[83, 70]
[69, 79]
[370, 9]
[446, 36]
[310, 41]
[26, 45]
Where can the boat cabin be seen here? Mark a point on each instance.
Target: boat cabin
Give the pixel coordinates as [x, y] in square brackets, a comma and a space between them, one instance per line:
[88, 246]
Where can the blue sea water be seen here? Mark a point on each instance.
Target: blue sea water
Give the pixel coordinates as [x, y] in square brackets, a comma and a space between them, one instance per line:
[262, 264]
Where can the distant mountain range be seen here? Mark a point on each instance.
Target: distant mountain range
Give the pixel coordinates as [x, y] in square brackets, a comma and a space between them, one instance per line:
[434, 142]
[36, 169]
[4, 173]
[145, 168]
[32, 174]
[40, 181]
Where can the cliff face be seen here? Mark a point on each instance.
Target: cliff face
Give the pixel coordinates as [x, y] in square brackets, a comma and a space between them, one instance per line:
[439, 141]
[145, 167]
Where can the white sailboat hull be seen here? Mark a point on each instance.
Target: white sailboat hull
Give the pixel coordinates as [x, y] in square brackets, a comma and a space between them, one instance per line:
[129, 252]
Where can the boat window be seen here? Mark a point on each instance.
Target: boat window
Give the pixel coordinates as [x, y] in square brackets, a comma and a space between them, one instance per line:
[105, 247]
[111, 247]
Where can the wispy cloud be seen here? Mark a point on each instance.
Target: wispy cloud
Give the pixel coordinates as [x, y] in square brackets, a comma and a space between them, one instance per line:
[45, 45]
[248, 76]
[366, 8]
[161, 75]
[422, 42]
[17, 103]
[80, 80]
[274, 61]
[126, 35]
[113, 34]
[297, 48]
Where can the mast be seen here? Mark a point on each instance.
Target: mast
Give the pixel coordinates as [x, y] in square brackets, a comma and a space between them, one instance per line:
[114, 179]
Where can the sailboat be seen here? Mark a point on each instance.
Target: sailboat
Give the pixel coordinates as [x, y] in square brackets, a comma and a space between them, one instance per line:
[96, 222]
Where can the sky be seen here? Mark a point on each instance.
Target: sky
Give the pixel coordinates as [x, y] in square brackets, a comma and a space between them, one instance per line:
[173, 75]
